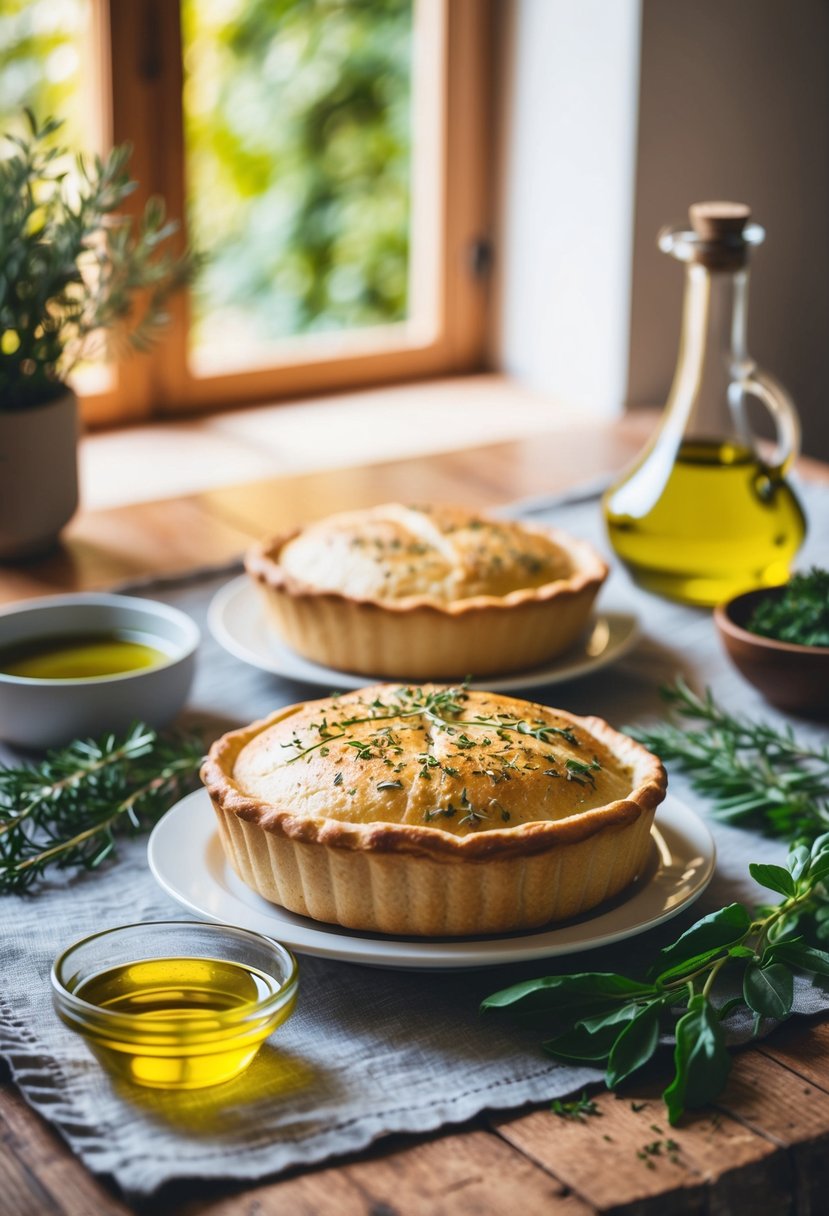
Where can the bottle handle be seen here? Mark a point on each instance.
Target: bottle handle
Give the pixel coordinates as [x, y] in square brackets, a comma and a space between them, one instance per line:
[779, 404]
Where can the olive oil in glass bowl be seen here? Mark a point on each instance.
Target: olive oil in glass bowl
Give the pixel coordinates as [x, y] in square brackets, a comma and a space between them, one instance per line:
[175, 1004]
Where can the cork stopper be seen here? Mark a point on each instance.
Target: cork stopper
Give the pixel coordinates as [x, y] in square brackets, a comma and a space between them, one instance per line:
[720, 227]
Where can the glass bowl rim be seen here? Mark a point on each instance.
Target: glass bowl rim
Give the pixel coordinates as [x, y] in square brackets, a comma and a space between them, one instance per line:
[182, 650]
[85, 1015]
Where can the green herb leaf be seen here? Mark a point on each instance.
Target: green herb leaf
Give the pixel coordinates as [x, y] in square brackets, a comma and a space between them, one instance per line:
[719, 929]
[701, 1060]
[591, 1039]
[557, 995]
[635, 1045]
[774, 878]
[799, 954]
[578, 1109]
[769, 990]
[798, 860]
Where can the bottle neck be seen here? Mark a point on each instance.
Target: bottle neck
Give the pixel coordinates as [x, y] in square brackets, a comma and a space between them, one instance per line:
[706, 400]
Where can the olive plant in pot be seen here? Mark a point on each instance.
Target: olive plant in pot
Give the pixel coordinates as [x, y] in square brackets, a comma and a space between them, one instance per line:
[76, 281]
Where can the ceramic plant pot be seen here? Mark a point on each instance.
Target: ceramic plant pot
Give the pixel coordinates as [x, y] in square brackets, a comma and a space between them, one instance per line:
[38, 475]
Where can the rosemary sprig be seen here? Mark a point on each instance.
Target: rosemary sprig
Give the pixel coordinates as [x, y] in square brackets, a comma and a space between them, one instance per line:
[750, 770]
[67, 810]
[615, 1020]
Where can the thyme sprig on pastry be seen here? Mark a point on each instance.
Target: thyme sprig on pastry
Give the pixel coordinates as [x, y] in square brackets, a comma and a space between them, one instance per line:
[442, 707]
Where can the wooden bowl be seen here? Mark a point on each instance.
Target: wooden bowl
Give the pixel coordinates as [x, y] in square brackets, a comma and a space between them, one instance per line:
[794, 678]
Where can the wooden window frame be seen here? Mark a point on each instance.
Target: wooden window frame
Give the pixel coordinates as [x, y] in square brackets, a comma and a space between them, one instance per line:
[144, 41]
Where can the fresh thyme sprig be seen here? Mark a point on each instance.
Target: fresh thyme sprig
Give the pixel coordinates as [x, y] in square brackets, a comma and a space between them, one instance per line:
[68, 810]
[615, 1020]
[750, 770]
[444, 708]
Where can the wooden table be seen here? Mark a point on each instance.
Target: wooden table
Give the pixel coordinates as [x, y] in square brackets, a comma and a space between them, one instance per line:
[764, 1148]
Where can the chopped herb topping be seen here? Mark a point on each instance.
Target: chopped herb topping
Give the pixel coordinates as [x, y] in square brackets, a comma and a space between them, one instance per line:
[580, 772]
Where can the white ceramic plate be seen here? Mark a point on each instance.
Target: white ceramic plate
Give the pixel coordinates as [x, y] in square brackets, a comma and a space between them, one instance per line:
[238, 622]
[187, 860]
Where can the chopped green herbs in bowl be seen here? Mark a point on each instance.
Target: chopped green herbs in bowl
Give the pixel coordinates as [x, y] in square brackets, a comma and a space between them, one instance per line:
[799, 613]
[778, 639]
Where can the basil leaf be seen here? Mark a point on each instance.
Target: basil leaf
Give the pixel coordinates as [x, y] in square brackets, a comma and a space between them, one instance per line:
[798, 860]
[769, 990]
[586, 992]
[691, 964]
[775, 878]
[724, 1010]
[617, 1016]
[725, 927]
[819, 868]
[590, 1045]
[798, 954]
[634, 1046]
[701, 1060]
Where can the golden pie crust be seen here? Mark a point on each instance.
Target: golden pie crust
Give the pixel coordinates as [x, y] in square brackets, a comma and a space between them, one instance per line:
[427, 592]
[429, 811]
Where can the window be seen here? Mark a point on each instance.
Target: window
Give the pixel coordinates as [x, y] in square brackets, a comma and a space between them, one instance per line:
[329, 158]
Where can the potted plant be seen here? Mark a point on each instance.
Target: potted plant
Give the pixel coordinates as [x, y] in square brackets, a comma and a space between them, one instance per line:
[75, 277]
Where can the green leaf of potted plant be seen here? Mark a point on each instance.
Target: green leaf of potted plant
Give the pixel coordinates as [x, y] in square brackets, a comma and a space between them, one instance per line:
[76, 281]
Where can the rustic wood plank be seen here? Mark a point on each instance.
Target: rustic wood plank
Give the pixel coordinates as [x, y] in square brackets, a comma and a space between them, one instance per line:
[466, 1174]
[38, 1173]
[628, 1160]
[782, 1107]
[104, 548]
[803, 1047]
[480, 476]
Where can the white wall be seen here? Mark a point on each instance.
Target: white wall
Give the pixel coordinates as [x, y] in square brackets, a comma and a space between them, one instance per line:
[734, 103]
[564, 240]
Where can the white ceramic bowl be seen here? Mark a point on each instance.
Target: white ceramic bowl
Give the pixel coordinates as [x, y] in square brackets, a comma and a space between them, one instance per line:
[46, 713]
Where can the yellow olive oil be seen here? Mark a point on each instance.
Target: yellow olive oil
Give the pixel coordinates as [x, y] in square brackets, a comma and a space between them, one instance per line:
[720, 522]
[79, 657]
[186, 1025]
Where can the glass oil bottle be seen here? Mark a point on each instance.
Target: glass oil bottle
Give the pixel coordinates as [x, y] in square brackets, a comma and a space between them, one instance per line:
[703, 514]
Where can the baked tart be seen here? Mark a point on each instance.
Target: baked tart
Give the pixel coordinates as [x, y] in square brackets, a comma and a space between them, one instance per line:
[433, 811]
[427, 592]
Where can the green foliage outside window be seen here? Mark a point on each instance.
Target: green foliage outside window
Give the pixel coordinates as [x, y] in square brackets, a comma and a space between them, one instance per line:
[298, 138]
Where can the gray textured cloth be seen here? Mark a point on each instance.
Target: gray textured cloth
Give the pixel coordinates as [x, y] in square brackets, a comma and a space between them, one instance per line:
[368, 1052]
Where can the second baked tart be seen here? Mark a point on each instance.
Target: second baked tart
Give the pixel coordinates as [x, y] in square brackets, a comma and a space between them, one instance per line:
[433, 811]
[427, 593]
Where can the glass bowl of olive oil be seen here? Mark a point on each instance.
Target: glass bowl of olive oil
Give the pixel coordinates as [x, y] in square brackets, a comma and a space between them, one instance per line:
[74, 666]
[175, 1004]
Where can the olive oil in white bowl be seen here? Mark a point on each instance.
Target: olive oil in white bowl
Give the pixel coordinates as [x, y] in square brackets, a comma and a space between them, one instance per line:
[74, 666]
